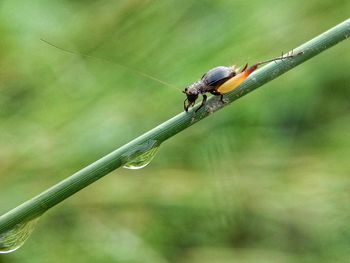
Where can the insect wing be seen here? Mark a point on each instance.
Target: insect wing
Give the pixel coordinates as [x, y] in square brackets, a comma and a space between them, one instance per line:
[217, 76]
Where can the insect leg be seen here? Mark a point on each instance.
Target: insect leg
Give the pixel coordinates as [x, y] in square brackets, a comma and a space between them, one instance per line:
[245, 67]
[186, 106]
[282, 57]
[214, 92]
[203, 102]
[217, 93]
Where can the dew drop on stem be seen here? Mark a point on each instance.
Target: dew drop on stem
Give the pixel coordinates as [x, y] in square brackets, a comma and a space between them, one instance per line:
[15, 237]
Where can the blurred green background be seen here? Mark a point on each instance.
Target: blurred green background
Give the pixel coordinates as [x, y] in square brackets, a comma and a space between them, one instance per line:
[264, 180]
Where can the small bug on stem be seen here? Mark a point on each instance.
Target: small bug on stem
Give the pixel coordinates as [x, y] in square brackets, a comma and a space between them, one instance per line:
[217, 81]
[221, 80]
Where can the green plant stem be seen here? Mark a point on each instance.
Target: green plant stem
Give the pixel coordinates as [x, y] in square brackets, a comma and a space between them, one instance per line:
[54, 195]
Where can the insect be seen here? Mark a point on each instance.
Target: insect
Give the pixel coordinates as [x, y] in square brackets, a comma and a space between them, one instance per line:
[217, 81]
[221, 80]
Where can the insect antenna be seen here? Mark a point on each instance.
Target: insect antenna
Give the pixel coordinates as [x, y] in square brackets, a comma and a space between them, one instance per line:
[145, 75]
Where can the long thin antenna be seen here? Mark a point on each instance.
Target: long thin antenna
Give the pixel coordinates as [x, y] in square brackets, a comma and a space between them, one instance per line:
[111, 62]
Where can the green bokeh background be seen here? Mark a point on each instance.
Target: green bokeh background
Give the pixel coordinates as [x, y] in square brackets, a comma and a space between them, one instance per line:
[264, 180]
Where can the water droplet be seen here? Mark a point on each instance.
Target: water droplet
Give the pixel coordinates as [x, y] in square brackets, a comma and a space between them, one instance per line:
[144, 155]
[14, 238]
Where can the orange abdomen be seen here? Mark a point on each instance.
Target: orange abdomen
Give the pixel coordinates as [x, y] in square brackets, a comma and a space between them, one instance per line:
[236, 81]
